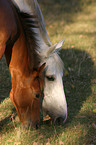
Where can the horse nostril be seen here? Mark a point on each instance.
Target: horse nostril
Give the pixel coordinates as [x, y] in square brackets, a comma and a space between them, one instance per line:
[59, 120]
[37, 125]
[37, 95]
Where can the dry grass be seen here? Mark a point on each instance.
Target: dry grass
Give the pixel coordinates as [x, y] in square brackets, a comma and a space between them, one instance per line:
[76, 22]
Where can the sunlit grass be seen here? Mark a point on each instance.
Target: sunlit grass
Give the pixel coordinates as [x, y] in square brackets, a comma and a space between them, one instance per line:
[76, 22]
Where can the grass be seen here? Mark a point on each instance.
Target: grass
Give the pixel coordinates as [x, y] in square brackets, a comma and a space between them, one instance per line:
[76, 22]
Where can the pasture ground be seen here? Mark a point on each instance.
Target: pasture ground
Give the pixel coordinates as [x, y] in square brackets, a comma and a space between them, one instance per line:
[76, 22]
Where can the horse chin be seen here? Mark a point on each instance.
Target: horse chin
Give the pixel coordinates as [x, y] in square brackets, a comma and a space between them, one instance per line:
[60, 120]
[30, 125]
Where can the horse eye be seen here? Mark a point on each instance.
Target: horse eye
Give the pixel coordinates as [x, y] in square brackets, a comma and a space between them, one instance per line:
[50, 78]
[37, 95]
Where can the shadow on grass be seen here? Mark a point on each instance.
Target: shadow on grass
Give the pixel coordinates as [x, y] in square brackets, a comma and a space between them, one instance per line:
[77, 82]
[66, 10]
[78, 74]
[5, 80]
[7, 123]
[87, 120]
[67, 5]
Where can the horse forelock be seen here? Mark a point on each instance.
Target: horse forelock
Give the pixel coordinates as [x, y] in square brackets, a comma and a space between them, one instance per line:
[55, 64]
[59, 63]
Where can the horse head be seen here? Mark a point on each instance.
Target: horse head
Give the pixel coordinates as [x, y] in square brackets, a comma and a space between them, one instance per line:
[26, 93]
[19, 44]
[54, 103]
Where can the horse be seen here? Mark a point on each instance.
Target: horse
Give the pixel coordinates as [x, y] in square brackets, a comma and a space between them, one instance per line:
[54, 103]
[19, 44]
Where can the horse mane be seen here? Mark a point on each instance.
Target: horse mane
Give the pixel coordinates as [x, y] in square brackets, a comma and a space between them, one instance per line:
[29, 22]
[35, 31]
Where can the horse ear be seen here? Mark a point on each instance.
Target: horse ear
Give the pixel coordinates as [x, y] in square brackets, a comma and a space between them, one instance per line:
[55, 47]
[41, 68]
[59, 44]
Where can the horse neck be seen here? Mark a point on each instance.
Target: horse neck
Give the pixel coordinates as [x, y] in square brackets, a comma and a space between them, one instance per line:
[19, 57]
[23, 55]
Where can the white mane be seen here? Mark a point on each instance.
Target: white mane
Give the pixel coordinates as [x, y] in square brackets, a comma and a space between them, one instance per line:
[32, 7]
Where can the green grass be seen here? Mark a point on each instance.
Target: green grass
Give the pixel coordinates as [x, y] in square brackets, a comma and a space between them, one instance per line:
[76, 22]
